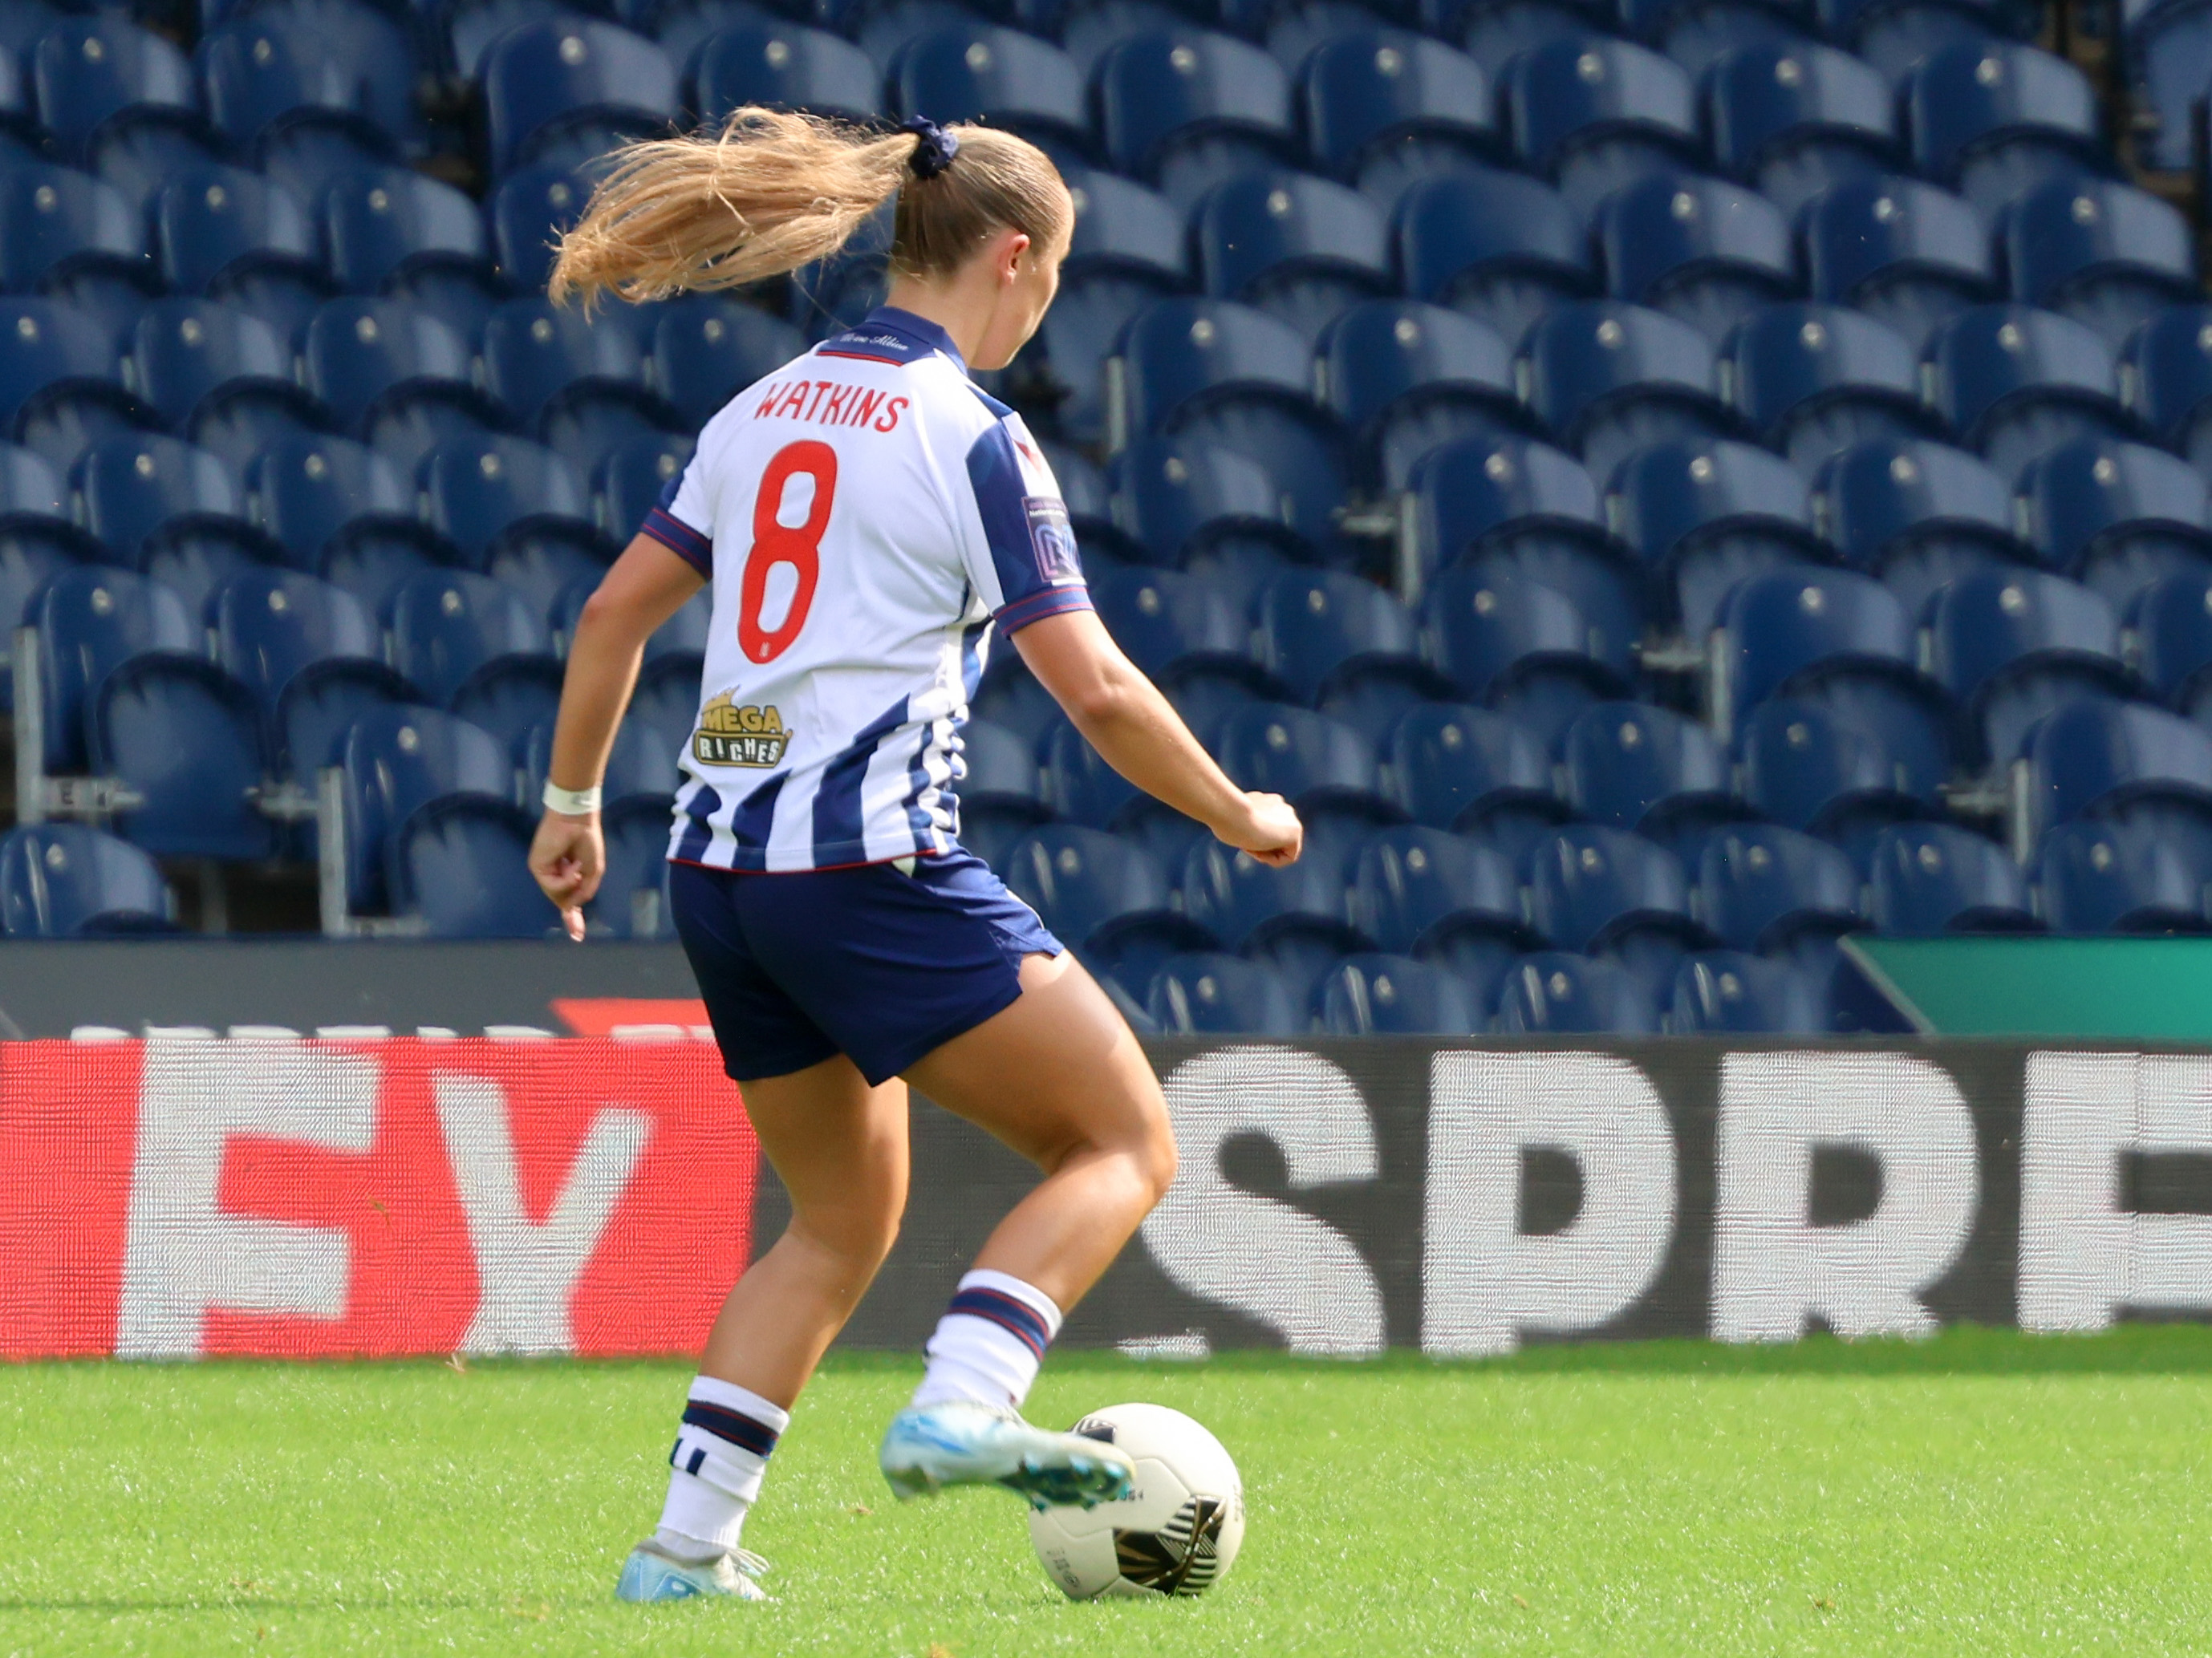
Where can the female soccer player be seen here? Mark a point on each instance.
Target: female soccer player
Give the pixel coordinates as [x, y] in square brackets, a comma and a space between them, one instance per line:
[868, 514]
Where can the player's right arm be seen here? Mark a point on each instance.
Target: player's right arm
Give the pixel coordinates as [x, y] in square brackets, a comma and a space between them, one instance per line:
[1141, 735]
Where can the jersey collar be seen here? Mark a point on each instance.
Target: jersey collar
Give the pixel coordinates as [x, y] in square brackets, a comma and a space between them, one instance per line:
[895, 336]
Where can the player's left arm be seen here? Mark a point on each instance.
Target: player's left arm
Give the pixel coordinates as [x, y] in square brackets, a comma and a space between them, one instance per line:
[648, 584]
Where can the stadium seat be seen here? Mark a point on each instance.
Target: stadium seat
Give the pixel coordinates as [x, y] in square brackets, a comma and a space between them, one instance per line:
[778, 63]
[1103, 896]
[1371, 994]
[446, 625]
[1896, 36]
[1208, 994]
[1811, 379]
[1761, 887]
[2172, 620]
[632, 902]
[169, 509]
[269, 625]
[393, 375]
[2106, 254]
[1301, 248]
[2164, 57]
[1610, 893]
[629, 483]
[1306, 757]
[2014, 382]
[2117, 516]
[1518, 646]
[641, 768]
[1794, 117]
[1594, 113]
[220, 374]
[1994, 117]
[337, 71]
[1552, 994]
[1927, 879]
[1609, 378]
[1001, 77]
[1177, 628]
[510, 697]
[101, 71]
[2013, 646]
[60, 227]
[395, 760]
[1453, 767]
[234, 235]
[1830, 772]
[1080, 786]
[1001, 798]
[1418, 890]
[1710, 252]
[461, 865]
[1123, 229]
[481, 493]
[1292, 919]
[386, 229]
[1917, 514]
[707, 349]
[1382, 108]
[1707, 515]
[38, 541]
[1128, 249]
[2122, 878]
[186, 739]
[571, 88]
[71, 881]
[1905, 252]
[576, 381]
[1405, 376]
[1631, 766]
[340, 508]
[2099, 757]
[2165, 378]
[1500, 246]
[58, 388]
[1186, 501]
[1315, 630]
[1186, 108]
[529, 212]
[1729, 992]
[90, 620]
[1788, 631]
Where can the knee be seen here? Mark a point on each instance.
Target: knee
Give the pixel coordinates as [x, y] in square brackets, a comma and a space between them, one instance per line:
[859, 1235]
[1159, 1158]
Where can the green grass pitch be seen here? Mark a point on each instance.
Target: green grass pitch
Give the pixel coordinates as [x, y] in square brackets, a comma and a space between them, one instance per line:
[1982, 1493]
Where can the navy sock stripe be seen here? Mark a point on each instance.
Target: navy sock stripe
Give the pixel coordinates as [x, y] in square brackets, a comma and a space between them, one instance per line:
[744, 1431]
[1024, 1322]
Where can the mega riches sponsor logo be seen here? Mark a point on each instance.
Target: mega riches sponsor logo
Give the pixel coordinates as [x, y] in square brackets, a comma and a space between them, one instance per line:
[730, 735]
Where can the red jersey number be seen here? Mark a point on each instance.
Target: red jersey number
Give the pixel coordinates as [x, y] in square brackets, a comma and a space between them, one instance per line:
[774, 544]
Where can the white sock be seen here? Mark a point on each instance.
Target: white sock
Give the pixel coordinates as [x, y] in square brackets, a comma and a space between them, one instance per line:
[715, 1471]
[990, 1341]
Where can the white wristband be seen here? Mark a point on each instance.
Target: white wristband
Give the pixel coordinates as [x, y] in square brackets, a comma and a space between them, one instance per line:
[571, 803]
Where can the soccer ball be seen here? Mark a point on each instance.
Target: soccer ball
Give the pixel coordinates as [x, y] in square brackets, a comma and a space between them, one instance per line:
[1177, 1533]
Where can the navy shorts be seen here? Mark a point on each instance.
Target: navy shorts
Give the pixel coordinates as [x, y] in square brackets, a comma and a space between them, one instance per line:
[871, 962]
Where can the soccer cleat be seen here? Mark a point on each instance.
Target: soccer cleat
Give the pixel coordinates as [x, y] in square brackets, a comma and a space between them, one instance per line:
[964, 1443]
[651, 1573]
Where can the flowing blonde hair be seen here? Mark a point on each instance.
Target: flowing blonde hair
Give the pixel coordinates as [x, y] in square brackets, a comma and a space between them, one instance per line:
[775, 191]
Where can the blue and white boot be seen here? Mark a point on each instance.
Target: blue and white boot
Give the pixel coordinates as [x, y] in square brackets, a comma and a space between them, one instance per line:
[651, 1573]
[965, 1443]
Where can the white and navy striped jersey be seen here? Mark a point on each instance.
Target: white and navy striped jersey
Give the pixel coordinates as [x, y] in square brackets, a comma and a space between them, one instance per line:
[865, 513]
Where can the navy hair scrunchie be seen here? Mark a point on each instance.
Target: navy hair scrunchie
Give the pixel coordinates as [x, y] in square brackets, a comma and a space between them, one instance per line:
[935, 151]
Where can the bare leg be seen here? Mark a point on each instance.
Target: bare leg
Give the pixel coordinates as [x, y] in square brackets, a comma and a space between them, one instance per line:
[840, 1148]
[1059, 1077]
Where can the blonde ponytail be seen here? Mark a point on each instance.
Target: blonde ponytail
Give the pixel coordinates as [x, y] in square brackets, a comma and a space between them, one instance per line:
[775, 191]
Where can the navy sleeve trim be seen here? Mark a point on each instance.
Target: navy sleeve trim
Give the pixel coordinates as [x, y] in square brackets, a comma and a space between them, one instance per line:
[681, 539]
[1053, 601]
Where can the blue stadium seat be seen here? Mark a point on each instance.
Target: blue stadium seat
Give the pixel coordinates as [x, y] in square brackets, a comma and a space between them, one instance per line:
[485, 495]
[630, 481]
[1103, 896]
[1176, 627]
[342, 509]
[2103, 759]
[339, 71]
[707, 349]
[469, 28]
[71, 881]
[632, 902]
[1917, 514]
[1500, 246]
[186, 739]
[1405, 376]
[1418, 890]
[1831, 772]
[1764, 888]
[449, 624]
[509, 698]
[1179, 499]
[462, 866]
[1382, 108]
[2104, 253]
[1811, 379]
[1707, 515]
[1121, 229]
[1608, 892]
[221, 375]
[390, 230]
[1552, 994]
[60, 228]
[1896, 36]
[38, 541]
[577, 381]
[2014, 382]
[1710, 252]
[1794, 117]
[1291, 918]
[529, 212]
[1593, 113]
[1495, 31]
[100, 72]
[234, 235]
[1453, 767]
[1790, 631]
[90, 620]
[269, 626]
[2165, 51]
[1729, 992]
[2122, 878]
[1993, 117]
[392, 375]
[2172, 620]
[1001, 799]
[1927, 879]
[1316, 630]
[2165, 377]
[58, 389]
[780, 63]
[1300, 248]
[1128, 250]
[642, 769]
[1211, 995]
[2013, 646]
[1372, 994]
[1001, 77]
[1080, 786]
[1697, 34]
[170, 510]
[395, 760]
[1185, 108]
[1518, 646]
[1905, 253]
[320, 706]
[1306, 757]
[1609, 378]
[571, 88]
[1008, 695]
[1631, 766]
[2117, 516]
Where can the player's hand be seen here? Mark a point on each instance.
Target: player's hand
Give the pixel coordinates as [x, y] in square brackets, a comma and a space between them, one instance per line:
[1271, 831]
[568, 856]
